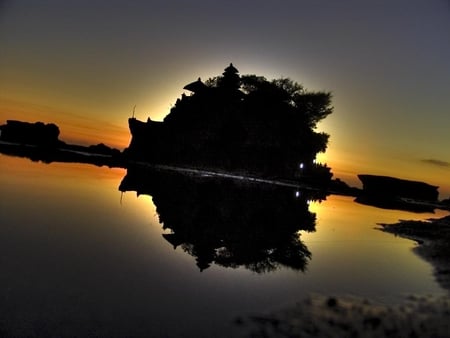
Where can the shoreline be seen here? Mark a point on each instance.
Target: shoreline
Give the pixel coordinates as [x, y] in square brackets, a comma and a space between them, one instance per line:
[348, 316]
[433, 237]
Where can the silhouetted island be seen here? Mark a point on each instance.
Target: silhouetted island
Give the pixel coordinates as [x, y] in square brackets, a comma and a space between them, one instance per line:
[40, 141]
[396, 193]
[396, 187]
[242, 124]
[38, 133]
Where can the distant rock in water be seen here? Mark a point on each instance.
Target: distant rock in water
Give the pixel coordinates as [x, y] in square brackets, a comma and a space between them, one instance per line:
[39, 142]
[37, 133]
[241, 124]
[103, 149]
[391, 187]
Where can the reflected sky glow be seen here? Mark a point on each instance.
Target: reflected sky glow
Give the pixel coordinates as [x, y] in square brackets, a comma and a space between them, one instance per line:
[70, 249]
[340, 219]
[347, 244]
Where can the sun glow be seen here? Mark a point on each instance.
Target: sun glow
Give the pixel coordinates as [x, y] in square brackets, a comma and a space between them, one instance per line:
[321, 158]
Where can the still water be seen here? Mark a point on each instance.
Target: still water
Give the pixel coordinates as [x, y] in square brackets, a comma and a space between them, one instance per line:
[80, 258]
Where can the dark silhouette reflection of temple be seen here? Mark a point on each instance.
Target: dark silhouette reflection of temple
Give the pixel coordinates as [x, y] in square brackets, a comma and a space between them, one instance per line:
[227, 222]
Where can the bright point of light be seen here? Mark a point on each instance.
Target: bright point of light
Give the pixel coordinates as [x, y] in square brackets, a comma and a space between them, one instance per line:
[297, 193]
[321, 158]
[301, 165]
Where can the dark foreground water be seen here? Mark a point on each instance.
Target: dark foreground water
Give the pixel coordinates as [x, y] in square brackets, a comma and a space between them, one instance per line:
[79, 259]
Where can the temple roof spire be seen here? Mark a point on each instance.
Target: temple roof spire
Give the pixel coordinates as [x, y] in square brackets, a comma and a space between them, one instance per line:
[231, 78]
[196, 86]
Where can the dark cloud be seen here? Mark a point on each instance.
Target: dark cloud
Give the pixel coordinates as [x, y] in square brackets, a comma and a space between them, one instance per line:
[438, 163]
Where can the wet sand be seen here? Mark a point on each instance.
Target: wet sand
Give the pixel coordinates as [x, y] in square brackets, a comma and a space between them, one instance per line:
[417, 316]
[319, 316]
[433, 237]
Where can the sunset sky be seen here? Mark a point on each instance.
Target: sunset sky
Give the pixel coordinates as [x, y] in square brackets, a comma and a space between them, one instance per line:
[84, 64]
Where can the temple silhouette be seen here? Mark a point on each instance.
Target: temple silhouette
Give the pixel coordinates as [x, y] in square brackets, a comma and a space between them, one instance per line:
[242, 124]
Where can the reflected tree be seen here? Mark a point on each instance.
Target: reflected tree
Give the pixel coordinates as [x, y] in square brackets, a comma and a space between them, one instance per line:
[226, 222]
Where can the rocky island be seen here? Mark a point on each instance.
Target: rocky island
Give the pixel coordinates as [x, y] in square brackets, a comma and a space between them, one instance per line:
[40, 141]
[395, 193]
[241, 124]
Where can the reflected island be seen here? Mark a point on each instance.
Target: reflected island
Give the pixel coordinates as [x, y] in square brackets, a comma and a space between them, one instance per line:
[228, 222]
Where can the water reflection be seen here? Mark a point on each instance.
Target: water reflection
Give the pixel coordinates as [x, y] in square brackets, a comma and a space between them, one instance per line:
[77, 263]
[226, 222]
[390, 203]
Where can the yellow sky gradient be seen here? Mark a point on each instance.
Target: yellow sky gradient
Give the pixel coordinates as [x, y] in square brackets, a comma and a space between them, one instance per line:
[84, 67]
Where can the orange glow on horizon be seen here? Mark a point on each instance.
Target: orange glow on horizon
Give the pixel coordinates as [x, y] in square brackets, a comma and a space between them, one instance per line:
[345, 164]
[87, 135]
[74, 128]
[344, 219]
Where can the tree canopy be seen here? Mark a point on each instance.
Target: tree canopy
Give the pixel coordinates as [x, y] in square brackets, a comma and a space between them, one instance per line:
[310, 106]
[287, 108]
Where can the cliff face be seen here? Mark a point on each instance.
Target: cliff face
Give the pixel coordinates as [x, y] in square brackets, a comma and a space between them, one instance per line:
[385, 186]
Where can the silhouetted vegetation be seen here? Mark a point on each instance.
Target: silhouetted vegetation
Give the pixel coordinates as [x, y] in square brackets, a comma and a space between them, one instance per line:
[239, 123]
[226, 222]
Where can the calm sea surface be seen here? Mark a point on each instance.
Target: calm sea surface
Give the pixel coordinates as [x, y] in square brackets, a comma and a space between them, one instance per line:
[79, 258]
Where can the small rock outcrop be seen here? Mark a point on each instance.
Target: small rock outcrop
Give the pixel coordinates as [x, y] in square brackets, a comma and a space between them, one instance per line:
[37, 133]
